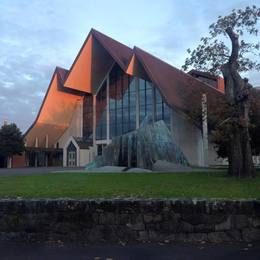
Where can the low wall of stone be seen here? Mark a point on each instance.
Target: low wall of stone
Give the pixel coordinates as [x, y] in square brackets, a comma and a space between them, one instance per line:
[127, 220]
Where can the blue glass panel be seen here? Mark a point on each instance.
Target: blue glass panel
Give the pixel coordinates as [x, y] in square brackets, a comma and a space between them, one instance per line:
[126, 99]
[142, 97]
[132, 126]
[119, 116]
[149, 85]
[112, 116]
[141, 84]
[125, 115]
[142, 113]
[98, 133]
[125, 128]
[101, 113]
[112, 103]
[112, 130]
[132, 118]
[158, 97]
[132, 99]
[132, 87]
[159, 111]
[149, 110]
[149, 96]
[104, 132]
[167, 110]
[119, 129]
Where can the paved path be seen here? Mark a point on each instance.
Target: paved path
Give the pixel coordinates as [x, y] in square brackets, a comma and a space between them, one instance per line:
[46, 170]
[14, 250]
[37, 170]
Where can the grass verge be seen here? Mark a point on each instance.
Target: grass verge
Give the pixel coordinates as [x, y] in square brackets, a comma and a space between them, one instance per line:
[137, 185]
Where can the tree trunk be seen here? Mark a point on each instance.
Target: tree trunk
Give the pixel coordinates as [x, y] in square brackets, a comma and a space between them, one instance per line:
[237, 92]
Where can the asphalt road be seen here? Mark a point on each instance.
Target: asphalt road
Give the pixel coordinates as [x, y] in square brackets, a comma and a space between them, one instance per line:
[21, 251]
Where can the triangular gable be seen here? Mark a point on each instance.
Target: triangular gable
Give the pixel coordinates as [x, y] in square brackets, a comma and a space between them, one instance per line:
[135, 68]
[79, 77]
[94, 60]
[121, 53]
[101, 64]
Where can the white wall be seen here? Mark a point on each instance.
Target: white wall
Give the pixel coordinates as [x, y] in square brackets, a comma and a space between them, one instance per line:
[85, 156]
[188, 137]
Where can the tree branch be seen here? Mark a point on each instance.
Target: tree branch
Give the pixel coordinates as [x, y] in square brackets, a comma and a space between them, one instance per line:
[235, 45]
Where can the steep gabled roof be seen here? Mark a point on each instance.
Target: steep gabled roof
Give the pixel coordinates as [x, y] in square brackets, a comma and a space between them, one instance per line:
[120, 52]
[55, 112]
[177, 87]
[41, 130]
[100, 51]
[97, 55]
[203, 74]
[93, 61]
[215, 81]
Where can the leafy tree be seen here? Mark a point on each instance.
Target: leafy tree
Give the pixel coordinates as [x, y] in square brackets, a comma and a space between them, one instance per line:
[11, 141]
[255, 121]
[214, 55]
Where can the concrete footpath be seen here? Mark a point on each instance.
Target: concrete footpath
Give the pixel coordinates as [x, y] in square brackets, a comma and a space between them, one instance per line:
[38, 170]
[54, 250]
[45, 170]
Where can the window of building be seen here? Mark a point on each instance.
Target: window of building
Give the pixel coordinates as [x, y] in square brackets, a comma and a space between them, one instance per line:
[88, 117]
[122, 106]
[101, 113]
[163, 111]
[146, 99]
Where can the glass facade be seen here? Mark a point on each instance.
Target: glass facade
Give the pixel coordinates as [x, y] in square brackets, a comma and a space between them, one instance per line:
[101, 113]
[146, 99]
[122, 102]
[162, 110]
[123, 93]
[88, 117]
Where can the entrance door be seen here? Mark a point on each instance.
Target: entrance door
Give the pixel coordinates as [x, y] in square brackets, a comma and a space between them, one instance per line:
[71, 158]
[71, 155]
[100, 148]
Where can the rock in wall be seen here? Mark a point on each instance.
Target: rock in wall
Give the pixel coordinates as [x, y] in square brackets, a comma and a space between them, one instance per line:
[130, 220]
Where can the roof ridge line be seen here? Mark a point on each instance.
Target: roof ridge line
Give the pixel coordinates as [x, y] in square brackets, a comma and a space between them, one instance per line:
[98, 32]
[179, 70]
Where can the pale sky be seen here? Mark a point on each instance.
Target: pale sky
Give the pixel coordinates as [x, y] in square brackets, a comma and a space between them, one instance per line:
[38, 35]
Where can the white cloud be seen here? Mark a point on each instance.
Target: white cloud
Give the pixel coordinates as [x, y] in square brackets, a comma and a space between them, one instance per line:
[7, 84]
[37, 36]
[27, 77]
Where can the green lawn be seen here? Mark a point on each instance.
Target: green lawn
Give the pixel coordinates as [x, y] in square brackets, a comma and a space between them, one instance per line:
[141, 185]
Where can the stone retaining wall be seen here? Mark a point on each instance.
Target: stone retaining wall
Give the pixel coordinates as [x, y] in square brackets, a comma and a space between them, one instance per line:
[127, 220]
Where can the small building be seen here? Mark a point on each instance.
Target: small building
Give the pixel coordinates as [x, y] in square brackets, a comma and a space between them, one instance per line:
[108, 91]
